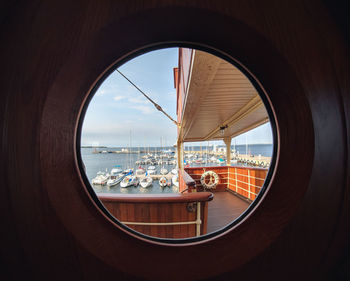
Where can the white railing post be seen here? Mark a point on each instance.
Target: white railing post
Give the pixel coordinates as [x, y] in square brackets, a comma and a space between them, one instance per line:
[228, 177]
[249, 183]
[198, 221]
[236, 179]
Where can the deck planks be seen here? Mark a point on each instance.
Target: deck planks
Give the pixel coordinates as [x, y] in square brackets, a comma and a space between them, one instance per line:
[223, 209]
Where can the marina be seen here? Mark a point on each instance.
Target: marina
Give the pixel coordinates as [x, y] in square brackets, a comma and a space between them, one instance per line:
[193, 157]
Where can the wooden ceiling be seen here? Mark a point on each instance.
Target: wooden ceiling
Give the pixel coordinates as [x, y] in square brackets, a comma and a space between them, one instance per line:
[218, 94]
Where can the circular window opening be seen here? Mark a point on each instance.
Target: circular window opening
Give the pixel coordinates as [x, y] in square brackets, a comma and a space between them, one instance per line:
[177, 144]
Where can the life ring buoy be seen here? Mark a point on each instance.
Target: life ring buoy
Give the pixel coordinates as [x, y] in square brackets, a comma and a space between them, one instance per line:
[209, 179]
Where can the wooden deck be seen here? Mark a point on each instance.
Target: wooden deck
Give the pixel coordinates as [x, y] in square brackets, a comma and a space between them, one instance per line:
[223, 209]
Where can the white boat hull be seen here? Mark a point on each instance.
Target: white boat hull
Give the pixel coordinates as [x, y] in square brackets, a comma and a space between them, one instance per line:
[113, 182]
[146, 182]
[129, 181]
[163, 182]
[163, 171]
[175, 181]
[100, 180]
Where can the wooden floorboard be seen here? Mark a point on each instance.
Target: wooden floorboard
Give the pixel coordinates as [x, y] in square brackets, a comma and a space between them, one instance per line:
[223, 209]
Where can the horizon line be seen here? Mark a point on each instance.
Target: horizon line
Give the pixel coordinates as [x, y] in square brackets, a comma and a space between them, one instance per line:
[125, 146]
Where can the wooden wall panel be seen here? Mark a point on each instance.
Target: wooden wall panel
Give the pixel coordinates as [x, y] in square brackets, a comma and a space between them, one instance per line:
[221, 171]
[246, 181]
[161, 208]
[148, 212]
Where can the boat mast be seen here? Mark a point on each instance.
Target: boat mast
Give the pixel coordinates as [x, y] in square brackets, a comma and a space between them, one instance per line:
[161, 153]
[246, 145]
[206, 161]
[129, 150]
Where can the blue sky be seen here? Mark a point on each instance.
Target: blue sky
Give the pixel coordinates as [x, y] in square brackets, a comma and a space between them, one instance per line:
[261, 134]
[118, 109]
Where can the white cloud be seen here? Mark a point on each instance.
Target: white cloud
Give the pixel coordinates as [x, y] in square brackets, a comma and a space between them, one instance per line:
[144, 109]
[100, 92]
[141, 100]
[118, 98]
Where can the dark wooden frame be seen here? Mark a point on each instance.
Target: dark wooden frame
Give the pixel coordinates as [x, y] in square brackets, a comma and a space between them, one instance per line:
[53, 57]
[101, 56]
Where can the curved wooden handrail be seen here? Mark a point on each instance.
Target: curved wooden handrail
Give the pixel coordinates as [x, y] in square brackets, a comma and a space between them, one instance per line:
[232, 166]
[189, 181]
[156, 198]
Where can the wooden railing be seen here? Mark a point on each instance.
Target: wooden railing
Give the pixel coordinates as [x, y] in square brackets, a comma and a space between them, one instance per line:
[186, 182]
[246, 181]
[185, 214]
[222, 171]
[161, 215]
[243, 181]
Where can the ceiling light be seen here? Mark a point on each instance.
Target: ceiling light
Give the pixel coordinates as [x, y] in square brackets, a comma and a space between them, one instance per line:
[222, 130]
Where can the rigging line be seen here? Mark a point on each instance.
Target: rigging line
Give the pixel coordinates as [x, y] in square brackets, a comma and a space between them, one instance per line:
[147, 97]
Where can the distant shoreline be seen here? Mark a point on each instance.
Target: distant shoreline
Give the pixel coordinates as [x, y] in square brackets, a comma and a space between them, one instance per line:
[232, 145]
[93, 146]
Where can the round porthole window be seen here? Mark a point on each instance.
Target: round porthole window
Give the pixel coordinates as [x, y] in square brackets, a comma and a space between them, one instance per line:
[177, 144]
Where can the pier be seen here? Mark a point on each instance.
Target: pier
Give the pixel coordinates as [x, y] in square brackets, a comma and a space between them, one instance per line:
[248, 159]
[157, 176]
[254, 160]
[126, 151]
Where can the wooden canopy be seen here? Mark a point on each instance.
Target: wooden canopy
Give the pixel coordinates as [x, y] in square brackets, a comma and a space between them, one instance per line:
[216, 94]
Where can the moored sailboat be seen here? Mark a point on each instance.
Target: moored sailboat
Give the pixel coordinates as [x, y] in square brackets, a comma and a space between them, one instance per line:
[163, 181]
[100, 179]
[140, 171]
[163, 171]
[129, 181]
[151, 170]
[175, 180]
[146, 181]
[114, 180]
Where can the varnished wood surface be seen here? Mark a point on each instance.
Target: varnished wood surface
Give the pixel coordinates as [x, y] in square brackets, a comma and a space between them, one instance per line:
[246, 182]
[222, 172]
[52, 54]
[156, 198]
[187, 179]
[159, 208]
[156, 212]
[224, 209]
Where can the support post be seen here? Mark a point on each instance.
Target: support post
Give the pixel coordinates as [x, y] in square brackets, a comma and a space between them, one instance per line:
[180, 155]
[228, 150]
[198, 220]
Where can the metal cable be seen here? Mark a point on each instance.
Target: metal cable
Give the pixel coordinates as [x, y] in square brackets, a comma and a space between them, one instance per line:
[157, 106]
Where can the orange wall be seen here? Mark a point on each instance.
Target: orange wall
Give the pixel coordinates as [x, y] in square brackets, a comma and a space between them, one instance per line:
[196, 173]
[245, 181]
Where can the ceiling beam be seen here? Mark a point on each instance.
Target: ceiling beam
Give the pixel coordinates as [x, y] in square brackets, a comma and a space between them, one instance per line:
[250, 107]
